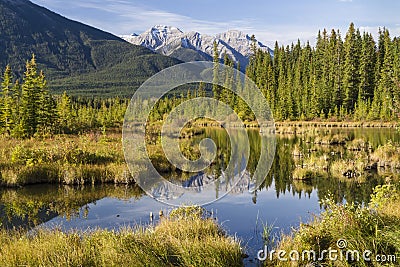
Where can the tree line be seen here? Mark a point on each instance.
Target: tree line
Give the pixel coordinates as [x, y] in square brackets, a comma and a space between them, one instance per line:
[357, 78]
[351, 79]
[28, 109]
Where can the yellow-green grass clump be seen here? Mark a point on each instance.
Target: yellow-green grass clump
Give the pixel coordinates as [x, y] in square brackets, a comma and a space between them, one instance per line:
[350, 168]
[319, 163]
[358, 144]
[387, 156]
[304, 174]
[183, 241]
[335, 139]
[375, 227]
[311, 167]
[84, 159]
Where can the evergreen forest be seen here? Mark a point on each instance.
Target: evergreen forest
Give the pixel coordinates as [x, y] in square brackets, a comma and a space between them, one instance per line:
[352, 79]
[357, 79]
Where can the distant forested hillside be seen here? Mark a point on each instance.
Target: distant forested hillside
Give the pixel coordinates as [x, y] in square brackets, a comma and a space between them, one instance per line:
[75, 57]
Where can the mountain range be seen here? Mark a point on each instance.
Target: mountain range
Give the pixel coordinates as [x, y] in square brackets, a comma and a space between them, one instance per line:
[191, 46]
[83, 60]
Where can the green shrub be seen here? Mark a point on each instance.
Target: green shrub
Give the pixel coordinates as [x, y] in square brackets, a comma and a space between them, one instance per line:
[27, 156]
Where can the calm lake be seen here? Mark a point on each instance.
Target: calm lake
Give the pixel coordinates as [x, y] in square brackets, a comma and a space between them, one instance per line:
[280, 201]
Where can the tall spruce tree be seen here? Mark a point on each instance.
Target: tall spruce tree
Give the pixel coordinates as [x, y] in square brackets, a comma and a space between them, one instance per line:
[216, 88]
[47, 114]
[367, 68]
[8, 105]
[226, 92]
[65, 114]
[350, 70]
[29, 99]
[386, 84]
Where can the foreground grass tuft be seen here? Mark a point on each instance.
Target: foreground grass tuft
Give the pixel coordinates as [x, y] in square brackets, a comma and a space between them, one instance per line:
[183, 241]
[375, 227]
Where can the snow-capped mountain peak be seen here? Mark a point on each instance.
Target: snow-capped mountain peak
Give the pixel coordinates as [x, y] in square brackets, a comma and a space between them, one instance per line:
[165, 28]
[189, 46]
[163, 32]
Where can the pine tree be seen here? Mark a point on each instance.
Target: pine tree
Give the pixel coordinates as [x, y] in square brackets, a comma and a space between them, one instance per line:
[16, 94]
[386, 84]
[351, 69]
[226, 92]
[377, 99]
[201, 91]
[270, 87]
[314, 96]
[29, 100]
[7, 110]
[46, 107]
[64, 112]
[322, 64]
[337, 69]
[280, 110]
[367, 65]
[216, 88]
[306, 70]
[239, 91]
[297, 80]
[396, 73]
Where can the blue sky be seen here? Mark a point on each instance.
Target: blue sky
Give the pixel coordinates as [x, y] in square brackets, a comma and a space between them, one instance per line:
[281, 20]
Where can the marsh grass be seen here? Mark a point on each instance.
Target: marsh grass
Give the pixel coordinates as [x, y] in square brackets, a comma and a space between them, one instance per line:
[65, 159]
[305, 174]
[352, 162]
[333, 139]
[311, 167]
[336, 124]
[387, 156]
[184, 241]
[350, 167]
[374, 227]
[358, 144]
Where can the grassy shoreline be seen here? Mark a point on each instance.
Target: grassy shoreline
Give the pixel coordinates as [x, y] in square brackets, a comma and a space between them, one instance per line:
[185, 239]
[374, 227]
[97, 158]
[64, 159]
[337, 124]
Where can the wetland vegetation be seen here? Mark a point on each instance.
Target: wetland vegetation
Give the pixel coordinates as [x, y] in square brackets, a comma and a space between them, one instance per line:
[183, 239]
[374, 227]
